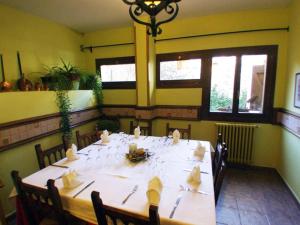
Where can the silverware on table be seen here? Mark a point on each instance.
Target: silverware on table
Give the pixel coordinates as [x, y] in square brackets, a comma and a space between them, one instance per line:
[182, 188]
[81, 153]
[85, 187]
[175, 206]
[188, 170]
[131, 193]
[57, 178]
[65, 167]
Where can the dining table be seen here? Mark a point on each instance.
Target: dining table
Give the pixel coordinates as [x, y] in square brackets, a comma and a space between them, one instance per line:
[104, 167]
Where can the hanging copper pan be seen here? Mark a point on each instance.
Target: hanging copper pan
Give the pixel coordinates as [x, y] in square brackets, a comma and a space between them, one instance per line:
[4, 85]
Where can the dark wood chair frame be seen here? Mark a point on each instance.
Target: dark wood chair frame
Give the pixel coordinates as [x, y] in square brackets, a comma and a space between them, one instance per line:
[36, 202]
[185, 132]
[222, 155]
[103, 211]
[217, 154]
[51, 155]
[219, 180]
[84, 140]
[145, 130]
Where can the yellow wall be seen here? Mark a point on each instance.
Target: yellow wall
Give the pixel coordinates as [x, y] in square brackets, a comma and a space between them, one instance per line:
[108, 37]
[40, 42]
[289, 158]
[20, 105]
[228, 22]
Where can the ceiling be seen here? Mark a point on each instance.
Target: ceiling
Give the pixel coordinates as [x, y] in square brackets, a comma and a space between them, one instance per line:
[90, 15]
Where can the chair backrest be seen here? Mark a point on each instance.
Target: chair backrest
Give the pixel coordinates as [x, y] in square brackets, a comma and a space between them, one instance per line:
[217, 154]
[39, 203]
[49, 156]
[111, 123]
[216, 160]
[103, 212]
[185, 132]
[145, 130]
[222, 158]
[219, 181]
[87, 139]
[224, 152]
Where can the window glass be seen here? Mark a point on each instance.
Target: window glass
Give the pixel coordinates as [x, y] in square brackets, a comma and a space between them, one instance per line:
[180, 69]
[222, 84]
[118, 73]
[252, 85]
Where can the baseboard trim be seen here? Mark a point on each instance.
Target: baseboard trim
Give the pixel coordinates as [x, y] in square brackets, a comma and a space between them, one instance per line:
[296, 198]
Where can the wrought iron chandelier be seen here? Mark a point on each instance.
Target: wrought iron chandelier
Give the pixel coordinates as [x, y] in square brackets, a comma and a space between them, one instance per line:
[152, 8]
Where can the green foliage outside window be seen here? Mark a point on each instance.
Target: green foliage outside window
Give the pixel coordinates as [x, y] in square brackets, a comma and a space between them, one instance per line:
[220, 102]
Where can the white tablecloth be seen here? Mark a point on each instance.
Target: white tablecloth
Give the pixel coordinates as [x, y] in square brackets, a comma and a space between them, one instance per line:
[115, 177]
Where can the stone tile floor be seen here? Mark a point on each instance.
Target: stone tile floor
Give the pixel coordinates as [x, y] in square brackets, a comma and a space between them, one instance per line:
[256, 197]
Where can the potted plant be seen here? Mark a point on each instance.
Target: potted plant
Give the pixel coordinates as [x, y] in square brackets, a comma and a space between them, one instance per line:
[66, 77]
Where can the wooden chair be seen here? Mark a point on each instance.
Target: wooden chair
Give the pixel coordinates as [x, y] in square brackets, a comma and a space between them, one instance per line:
[185, 132]
[41, 206]
[104, 212]
[114, 125]
[221, 156]
[87, 139]
[219, 181]
[145, 130]
[2, 215]
[216, 159]
[51, 155]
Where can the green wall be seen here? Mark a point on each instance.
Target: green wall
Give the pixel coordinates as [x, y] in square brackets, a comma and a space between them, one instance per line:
[289, 156]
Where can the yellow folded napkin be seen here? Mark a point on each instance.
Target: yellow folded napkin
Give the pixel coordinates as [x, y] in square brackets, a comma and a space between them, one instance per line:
[176, 136]
[194, 177]
[200, 151]
[70, 179]
[71, 153]
[154, 191]
[105, 136]
[137, 132]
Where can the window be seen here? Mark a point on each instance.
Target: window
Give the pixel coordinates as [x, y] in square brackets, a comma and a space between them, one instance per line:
[117, 72]
[240, 84]
[178, 70]
[222, 84]
[252, 84]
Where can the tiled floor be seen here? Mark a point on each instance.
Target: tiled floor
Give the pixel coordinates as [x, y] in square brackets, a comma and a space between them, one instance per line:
[256, 197]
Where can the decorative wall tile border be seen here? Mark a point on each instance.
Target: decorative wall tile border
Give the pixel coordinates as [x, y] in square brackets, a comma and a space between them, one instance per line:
[20, 132]
[289, 120]
[153, 112]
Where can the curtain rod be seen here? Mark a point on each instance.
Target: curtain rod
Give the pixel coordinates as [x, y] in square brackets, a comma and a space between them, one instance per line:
[225, 33]
[90, 48]
[82, 47]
